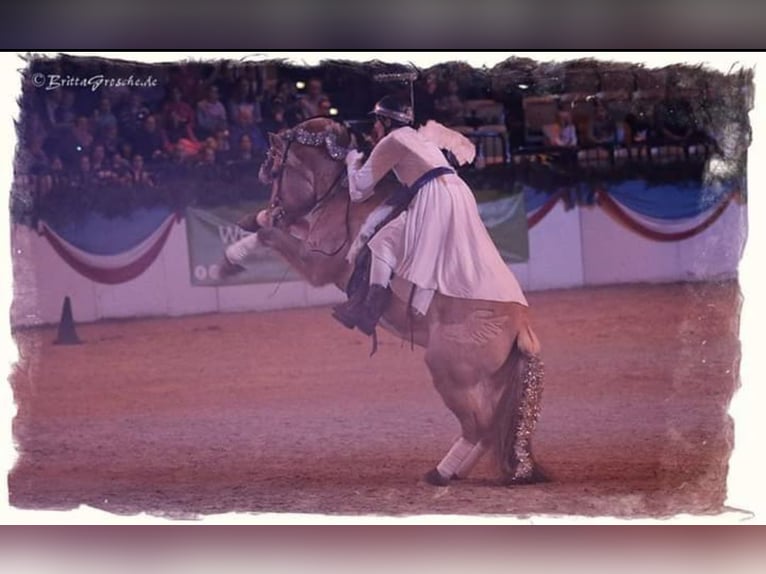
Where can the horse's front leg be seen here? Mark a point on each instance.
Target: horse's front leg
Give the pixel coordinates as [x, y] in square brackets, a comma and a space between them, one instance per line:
[237, 255]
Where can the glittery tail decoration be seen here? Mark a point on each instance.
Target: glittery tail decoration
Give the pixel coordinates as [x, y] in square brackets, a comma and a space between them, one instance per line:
[529, 413]
[516, 417]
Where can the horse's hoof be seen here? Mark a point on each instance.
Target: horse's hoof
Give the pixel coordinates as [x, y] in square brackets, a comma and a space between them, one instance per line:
[434, 478]
[229, 269]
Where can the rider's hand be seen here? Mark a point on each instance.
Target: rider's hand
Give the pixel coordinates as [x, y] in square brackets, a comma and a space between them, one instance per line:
[353, 157]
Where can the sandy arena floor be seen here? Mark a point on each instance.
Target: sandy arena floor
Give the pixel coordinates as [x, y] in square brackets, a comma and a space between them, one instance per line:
[285, 412]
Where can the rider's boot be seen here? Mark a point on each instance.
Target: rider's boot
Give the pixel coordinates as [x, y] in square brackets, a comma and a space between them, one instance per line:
[349, 312]
[374, 306]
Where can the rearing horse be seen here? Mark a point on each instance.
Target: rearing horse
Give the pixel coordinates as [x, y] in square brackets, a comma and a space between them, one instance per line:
[482, 355]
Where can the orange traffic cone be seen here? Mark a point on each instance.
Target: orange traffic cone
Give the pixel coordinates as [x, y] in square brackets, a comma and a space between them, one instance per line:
[67, 334]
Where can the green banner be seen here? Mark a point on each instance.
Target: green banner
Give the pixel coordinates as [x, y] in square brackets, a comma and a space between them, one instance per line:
[210, 231]
[506, 221]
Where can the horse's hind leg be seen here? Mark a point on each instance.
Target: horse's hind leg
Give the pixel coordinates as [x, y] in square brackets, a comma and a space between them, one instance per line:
[473, 410]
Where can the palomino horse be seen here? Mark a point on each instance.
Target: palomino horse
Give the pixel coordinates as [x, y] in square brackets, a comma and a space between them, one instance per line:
[483, 355]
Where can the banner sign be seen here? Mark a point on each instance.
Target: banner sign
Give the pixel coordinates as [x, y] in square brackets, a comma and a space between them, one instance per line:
[210, 231]
[506, 221]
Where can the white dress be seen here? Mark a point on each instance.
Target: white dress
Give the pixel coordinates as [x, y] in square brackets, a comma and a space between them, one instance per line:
[440, 242]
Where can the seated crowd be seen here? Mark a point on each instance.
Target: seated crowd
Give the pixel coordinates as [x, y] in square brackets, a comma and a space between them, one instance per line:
[216, 120]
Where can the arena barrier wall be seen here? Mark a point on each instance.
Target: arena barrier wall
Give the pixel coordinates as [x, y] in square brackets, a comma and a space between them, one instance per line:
[583, 246]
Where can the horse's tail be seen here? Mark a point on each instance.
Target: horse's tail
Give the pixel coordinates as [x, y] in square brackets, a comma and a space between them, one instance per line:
[518, 410]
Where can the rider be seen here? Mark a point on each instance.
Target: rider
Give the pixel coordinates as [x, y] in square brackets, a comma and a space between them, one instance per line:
[439, 243]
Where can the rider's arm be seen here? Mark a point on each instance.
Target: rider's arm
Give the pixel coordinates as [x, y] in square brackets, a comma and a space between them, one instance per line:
[362, 178]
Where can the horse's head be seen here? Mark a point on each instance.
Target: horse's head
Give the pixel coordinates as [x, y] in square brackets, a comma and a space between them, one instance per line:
[304, 166]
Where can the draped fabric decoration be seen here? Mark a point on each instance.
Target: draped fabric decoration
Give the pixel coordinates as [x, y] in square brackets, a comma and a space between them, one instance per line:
[663, 229]
[539, 204]
[117, 250]
[119, 255]
[658, 212]
[666, 212]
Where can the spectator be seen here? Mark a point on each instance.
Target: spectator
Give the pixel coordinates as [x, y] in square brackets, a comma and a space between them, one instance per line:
[450, 106]
[148, 142]
[222, 145]
[58, 177]
[276, 120]
[138, 174]
[126, 152]
[244, 161]
[32, 164]
[244, 150]
[561, 133]
[75, 143]
[83, 133]
[244, 123]
[32, 159]
[34, 129]
[98, 157]
[207, 162]
[249, 74]
[120, 168]
[132, 115]
[244, 98]
[178, 114]
[84, 176]
[103, 117]
[324, 107]
[65, 112]
[178, 133]
[211, 114]
[601, 128]
[110, 140]
[101, 165]
[269, 94]
[308, 105]
[51, 106]
[426, 95]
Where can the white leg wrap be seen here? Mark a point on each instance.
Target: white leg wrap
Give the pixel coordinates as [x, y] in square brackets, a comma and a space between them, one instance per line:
[453, 459]
[470, 460]
[239, 251]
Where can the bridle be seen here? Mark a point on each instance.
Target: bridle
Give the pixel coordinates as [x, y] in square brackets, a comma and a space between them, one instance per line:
[325, 138]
